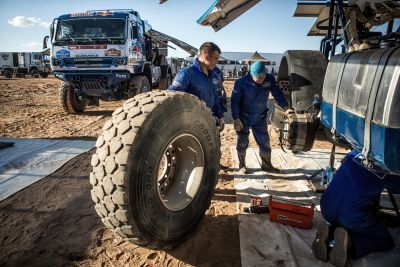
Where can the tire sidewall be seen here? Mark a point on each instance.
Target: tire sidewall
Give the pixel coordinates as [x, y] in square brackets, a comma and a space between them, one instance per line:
[8, 73]
[34, 72]
[149, 213]
[144, 85]
[71, 105]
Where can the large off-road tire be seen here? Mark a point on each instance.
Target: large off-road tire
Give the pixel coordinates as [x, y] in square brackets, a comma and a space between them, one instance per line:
[301, 78]
[165, 82]
[34, 73]
[138, 85]
[8, 73]
[70, 101]
[155, 168]
[166, 76]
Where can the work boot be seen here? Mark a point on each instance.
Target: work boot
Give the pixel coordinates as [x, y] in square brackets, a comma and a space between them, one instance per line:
[266, 164]
[320, 244]
[242, 163]
[339, 252]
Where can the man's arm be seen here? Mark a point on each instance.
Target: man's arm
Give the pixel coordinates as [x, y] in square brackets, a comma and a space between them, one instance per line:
[235, 99]
[181, 81]
[277, 94]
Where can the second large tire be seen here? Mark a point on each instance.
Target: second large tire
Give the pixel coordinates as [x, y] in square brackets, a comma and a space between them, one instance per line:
[155, 168]
[138, 85]
[8, 73]
[70, 101]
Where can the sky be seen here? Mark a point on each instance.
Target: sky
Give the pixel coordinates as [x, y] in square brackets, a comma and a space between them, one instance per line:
[267, 27]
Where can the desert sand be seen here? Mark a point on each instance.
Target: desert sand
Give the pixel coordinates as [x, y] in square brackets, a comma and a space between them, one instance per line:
[53, 222]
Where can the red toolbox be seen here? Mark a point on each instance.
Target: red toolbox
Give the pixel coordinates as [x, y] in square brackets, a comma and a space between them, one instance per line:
[294, 213]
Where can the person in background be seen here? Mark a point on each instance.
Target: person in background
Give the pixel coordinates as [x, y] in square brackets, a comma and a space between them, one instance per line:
[218, 80]
[243, 71]
[352, 228]
[249, 110]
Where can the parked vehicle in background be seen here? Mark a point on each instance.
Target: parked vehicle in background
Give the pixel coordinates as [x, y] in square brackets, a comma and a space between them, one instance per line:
[24, 63]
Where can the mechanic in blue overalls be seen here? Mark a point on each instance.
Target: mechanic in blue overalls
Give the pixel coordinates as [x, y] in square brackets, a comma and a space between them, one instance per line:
[218, 81]
[197, 80]
[349, 206]
[249, 110]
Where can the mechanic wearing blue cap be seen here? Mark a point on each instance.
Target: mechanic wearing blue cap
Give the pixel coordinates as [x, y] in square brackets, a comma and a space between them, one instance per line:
[198, 79]
[249, 110]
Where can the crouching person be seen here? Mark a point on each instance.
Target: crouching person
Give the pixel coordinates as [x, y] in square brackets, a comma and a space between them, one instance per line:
[349, 206]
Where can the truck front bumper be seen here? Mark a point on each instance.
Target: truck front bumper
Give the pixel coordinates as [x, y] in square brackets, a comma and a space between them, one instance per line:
[95, 83]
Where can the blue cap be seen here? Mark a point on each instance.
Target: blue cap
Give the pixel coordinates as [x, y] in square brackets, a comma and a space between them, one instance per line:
[257, 69]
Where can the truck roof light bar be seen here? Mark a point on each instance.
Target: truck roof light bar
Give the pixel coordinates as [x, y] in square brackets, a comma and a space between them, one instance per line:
[131, 11]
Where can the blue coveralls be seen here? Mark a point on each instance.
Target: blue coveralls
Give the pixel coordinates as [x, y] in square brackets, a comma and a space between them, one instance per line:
[218, 79]
[194, 81]
[349, 202]
[249, 104]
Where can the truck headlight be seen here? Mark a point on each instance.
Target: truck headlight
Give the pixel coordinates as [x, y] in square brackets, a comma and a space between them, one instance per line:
[120, 61]
[56, 62]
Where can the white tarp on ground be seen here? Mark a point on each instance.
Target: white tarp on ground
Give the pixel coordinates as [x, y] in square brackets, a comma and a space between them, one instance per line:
[264, 243]
[30, 160]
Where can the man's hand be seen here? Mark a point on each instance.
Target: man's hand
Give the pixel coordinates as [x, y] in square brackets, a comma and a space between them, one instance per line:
[289, 113]
[221, 124]
[238, 125]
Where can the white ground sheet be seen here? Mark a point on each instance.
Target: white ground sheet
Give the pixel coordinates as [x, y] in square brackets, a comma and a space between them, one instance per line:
[264, 243]
[30, 160]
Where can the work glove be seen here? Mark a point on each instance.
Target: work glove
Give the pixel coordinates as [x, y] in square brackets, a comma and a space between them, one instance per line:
[238, 125]
[221, 124]
[289, 113]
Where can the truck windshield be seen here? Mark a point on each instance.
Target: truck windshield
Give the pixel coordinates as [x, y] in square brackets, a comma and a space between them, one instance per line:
[90, 30]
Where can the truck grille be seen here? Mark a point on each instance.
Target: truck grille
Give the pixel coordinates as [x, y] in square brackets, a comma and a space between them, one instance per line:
[88, 62]
[91, 86]
[91, 82]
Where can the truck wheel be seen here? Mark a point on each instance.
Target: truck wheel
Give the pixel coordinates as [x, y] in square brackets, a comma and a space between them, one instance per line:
[138, 85]
[8, 73]
[70, 101]
[301, 77]
[155, 168]
[44, 75]
[34, 73]
[165, 82]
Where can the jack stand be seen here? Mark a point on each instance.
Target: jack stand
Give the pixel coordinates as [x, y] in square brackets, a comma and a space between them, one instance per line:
[328, 172]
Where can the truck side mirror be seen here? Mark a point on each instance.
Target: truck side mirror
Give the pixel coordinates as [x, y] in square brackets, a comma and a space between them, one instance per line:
[45, 40]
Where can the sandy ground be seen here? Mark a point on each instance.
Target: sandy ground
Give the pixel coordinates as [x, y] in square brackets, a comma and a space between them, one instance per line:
[53, 222]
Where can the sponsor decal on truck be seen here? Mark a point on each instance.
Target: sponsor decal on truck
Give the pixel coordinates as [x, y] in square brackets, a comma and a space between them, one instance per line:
[112, 52]
[63, 53]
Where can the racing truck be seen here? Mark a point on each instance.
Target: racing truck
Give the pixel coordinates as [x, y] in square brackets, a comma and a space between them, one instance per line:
[107, 55]
[157, 159]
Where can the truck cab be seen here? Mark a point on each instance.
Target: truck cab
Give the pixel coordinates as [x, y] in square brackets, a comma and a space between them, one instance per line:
[104, 54]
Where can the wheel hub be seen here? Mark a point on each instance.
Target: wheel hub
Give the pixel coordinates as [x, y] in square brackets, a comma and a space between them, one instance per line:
[180, 172]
